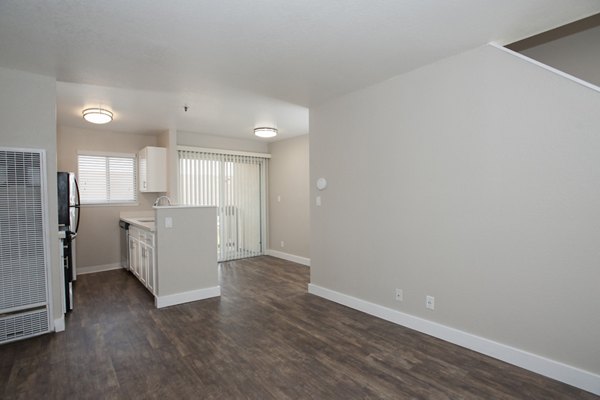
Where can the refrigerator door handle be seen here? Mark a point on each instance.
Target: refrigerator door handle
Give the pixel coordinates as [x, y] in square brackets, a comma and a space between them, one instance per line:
[77, 206]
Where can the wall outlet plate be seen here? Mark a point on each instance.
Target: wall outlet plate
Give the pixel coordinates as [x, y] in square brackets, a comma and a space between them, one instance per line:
[399, 295]
[430, 302]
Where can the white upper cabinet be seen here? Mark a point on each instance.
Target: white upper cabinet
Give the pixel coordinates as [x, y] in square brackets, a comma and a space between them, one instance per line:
[152, 167]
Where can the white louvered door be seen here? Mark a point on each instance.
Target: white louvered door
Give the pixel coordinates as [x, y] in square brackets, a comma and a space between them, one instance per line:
[24, 308]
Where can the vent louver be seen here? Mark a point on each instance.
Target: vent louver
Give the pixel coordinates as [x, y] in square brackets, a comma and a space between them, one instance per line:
[22, 325]
[23, 287]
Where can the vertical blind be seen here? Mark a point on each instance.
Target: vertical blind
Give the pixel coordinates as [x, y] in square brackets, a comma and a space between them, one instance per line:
[107, 179]
[235, 184]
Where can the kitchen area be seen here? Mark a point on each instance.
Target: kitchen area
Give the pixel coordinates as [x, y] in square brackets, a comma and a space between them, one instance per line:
[170, 248]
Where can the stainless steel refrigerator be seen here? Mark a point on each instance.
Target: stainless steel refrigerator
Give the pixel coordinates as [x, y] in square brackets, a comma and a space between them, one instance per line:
[68, 221]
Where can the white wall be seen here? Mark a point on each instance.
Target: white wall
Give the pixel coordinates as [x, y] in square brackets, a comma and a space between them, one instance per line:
[28, 120]
[476, 180]
[98, 236]
[222, 143]
[289, 219]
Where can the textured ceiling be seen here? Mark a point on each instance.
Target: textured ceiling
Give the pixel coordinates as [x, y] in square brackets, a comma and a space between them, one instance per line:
[293, 53]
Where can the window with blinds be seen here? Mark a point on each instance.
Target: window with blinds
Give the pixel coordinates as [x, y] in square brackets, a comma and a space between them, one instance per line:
[106, 179]
[235, 184]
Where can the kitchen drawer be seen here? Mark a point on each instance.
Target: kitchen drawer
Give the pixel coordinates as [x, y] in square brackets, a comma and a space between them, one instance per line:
[134, 232]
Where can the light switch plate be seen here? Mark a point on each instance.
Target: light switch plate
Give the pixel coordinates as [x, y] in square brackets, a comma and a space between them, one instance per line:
[168, 222]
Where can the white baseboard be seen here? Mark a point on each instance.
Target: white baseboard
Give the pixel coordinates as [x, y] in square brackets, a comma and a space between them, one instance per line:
[186, 297]
[97, 268]
[553, 369]
[289, 257]
[59, 324]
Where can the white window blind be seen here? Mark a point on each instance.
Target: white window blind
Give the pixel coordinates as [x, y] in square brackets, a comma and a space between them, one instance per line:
[107, 179]
[235, 184]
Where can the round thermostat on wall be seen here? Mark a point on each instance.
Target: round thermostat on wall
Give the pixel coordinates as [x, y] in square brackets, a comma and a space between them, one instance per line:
[321, 183]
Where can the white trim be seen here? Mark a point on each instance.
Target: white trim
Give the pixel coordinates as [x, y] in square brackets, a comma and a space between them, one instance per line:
[97, 268]
[546, 67]
[186, 297]
[550, 368]
[264, 201]
[59, 324]
[288, 257]
[105, 154]
[23, 308]
[221, 151]
[48, 254]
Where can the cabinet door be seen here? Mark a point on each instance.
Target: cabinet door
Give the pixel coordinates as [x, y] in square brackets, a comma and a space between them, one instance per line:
[152, 165]
[133, 255]
[151, 281]
[143, 169]
[143, 273]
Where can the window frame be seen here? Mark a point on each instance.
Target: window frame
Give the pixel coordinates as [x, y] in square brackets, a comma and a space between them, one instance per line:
[108, 202]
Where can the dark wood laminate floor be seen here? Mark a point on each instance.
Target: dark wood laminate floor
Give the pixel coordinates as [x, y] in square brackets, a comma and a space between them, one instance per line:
[265, 338]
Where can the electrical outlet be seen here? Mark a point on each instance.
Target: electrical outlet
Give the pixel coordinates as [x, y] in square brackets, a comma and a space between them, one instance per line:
[430, 302]
[282, 243]
[399, 295]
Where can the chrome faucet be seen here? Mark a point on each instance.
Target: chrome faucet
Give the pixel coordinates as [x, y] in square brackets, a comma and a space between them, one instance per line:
[157, 201]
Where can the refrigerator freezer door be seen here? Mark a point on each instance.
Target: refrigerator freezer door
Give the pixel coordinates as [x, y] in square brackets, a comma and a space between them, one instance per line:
[74, 204]
[62, 179]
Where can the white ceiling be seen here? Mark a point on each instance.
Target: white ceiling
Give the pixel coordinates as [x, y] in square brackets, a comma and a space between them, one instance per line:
[244, 63]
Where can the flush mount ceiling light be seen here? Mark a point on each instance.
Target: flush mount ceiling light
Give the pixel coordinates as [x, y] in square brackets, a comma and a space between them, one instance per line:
[97, 115]
[265, 132]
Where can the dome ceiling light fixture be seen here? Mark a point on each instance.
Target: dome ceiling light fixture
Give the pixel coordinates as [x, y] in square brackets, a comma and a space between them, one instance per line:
[265, 132]
[97, 115]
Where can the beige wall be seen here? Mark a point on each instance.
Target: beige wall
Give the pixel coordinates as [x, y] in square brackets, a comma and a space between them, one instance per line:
[28, 120]
[475, 180]
[220, 142]
[98, 237]
[186, 252]
[168, 140]
[289, 182]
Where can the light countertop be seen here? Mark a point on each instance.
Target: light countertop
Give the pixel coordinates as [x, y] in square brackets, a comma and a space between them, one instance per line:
[147, 223]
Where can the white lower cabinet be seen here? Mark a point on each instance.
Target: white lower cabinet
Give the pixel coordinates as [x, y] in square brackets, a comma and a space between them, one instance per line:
[134, 246]
[151, 280]
[142, 257]
[143, 264]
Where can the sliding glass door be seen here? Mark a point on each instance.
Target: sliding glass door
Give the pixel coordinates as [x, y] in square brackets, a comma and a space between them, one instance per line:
[235, 184]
